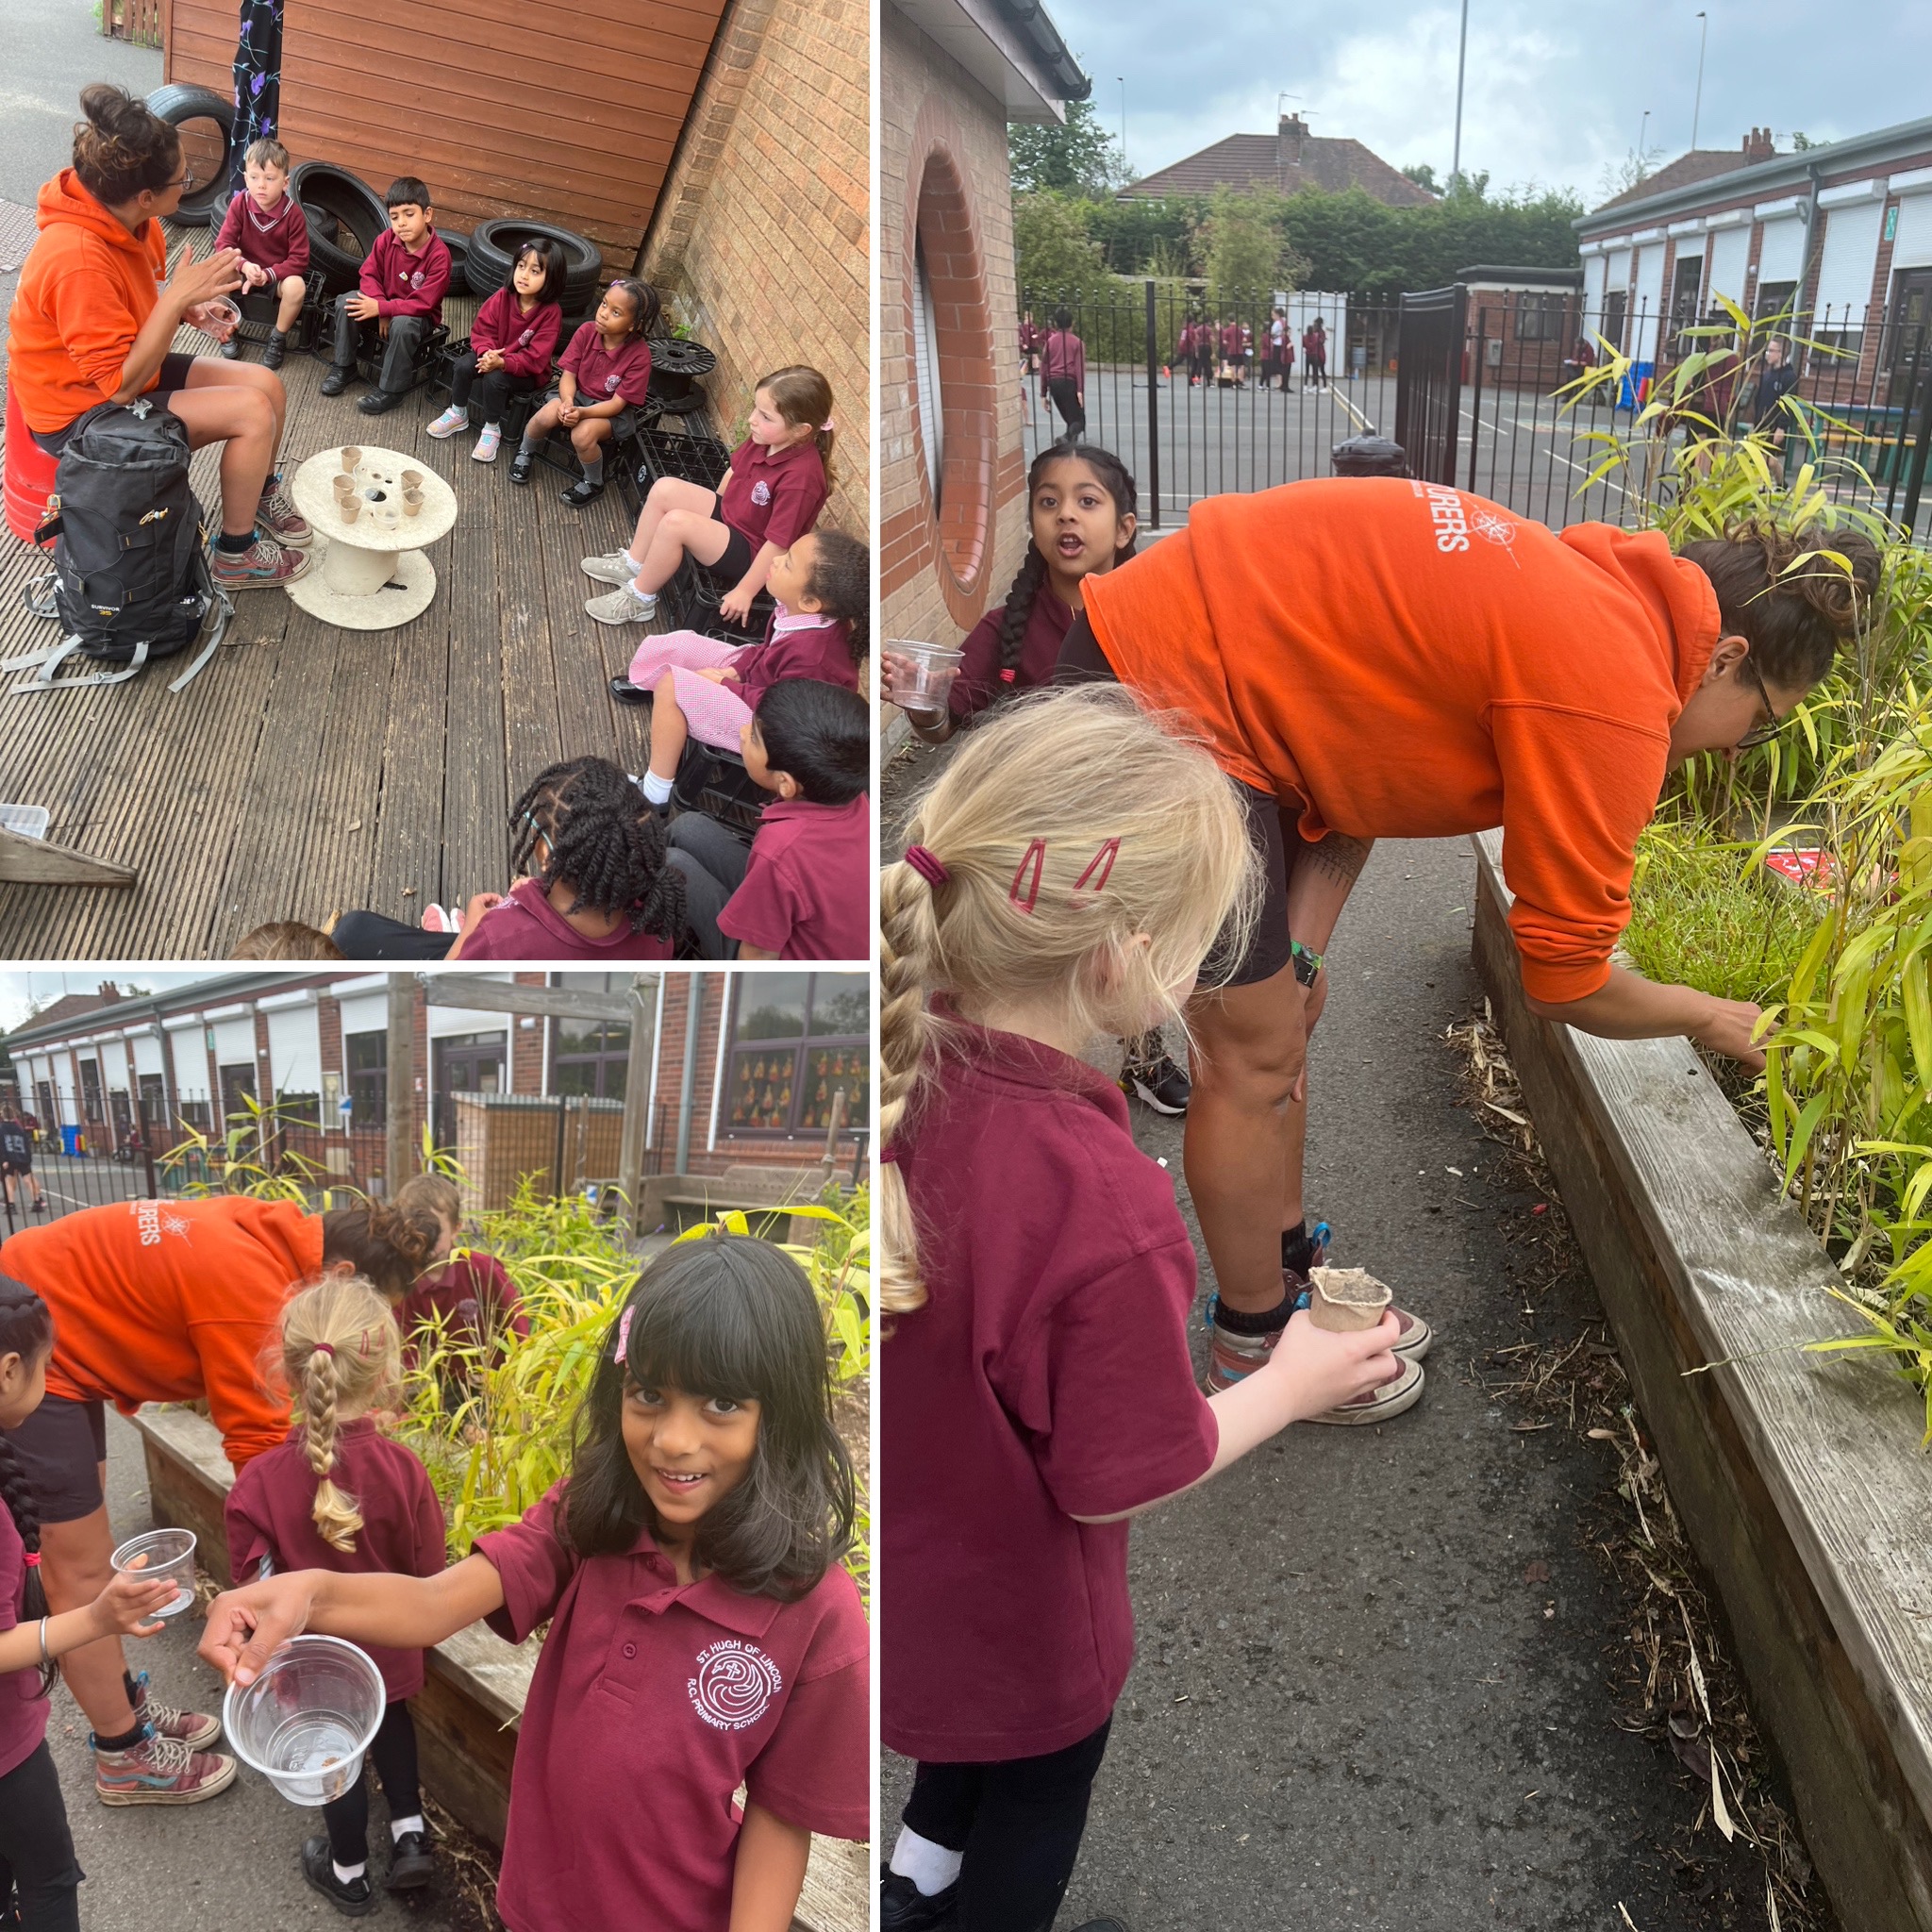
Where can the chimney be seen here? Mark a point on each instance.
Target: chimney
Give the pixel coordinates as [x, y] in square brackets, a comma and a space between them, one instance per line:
[111, 993]
[1293, 131]
[1757, 146]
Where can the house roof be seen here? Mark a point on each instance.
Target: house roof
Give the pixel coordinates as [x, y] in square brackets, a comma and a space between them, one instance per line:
[1699, 164]
[1266, 160]
[70, 1007]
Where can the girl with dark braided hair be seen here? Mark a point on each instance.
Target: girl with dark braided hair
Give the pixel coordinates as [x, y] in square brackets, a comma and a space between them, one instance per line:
[598, 886]
[38, 1876]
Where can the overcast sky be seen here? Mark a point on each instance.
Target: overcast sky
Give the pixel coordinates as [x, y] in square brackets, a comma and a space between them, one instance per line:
[1553, 94]
[22, 994]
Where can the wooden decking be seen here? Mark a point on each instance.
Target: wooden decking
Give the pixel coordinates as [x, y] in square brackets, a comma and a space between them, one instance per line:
[309, 770]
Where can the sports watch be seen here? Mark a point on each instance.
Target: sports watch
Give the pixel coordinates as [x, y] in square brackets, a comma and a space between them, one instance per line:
[1306, 964]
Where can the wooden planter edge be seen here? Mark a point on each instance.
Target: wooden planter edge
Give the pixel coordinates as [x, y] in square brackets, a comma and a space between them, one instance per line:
[473, 1699]
[1797, 1476]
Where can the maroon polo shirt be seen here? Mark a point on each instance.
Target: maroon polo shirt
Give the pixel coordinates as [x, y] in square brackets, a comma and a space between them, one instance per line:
[23, 1710]
[528, 926]
[774, 495]
[807, 893]
[406, 284]
[271, 1513]
[981, 678]
[653, 1701]
[469, 1292]
[605, 376]
[1046, 1377]
[801, 646]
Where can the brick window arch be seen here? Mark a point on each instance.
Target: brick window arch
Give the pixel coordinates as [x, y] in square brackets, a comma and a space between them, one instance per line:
[949, 323]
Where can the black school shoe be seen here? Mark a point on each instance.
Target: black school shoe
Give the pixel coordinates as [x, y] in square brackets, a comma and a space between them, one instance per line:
[410, 1865]
[903, 1908]
[354, 1899]
[519, 468]
[580, 493]
[231, 351]
[378, 402]
[336, 381]
[277, 347]
[625, 693]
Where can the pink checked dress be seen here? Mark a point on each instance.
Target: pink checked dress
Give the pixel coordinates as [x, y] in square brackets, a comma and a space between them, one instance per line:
[801, 646]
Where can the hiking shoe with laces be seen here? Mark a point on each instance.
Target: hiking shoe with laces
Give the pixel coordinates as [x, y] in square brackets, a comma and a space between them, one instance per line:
[1158, 1083]
[622, 606]
[160, 1770]
[197, 1729]
[265, 565]
[354, 1899]
[277, 514]
[903, 1908]
[613, 568]
[410, 1863]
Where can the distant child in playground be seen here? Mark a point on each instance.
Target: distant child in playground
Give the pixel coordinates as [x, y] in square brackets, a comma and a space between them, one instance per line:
[17, 1160]
[701, 688]
[266, 223]
[397, 301]
[512, 343]
[598, 883]
[1315, 355]
[703, 1634]
[780, 474]
[1063, 375]
[463, 1301]
[39, 1877]
[338, 1495]
[1067, 876]
[802, 889]
[604, 376]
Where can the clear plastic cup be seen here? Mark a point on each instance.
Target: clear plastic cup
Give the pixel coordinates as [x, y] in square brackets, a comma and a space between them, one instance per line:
[930, 664]
[223, 318]
[170, 1554]
[307, 1720]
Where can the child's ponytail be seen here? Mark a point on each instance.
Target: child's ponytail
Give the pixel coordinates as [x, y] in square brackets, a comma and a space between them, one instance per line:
[337, 1518]
[909, 944]
[801, 394]
[840, 586]
[26, 1329]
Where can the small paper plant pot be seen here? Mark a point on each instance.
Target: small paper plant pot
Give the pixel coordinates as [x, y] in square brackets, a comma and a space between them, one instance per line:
[343, 485]
[351, 508]
[1345, 1300]
[412, 479]
[352, 456]
[412, 501]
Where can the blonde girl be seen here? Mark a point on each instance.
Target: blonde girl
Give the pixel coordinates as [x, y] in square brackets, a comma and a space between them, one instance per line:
[1066, 878]
[780, 475]
[337, 1495]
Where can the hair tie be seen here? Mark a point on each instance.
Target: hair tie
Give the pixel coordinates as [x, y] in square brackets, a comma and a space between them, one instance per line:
[888, 1157]
[32, 1559]
[826, 428]
[927, 866]
[327, 1348]
[623, 1333]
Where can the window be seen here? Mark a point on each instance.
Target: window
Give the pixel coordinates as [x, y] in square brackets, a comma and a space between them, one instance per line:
[91, 1090]
[1773, 298]
[368, 1060]
[1687, 278]
[925, 359]
[590, 1056]
[1540, 318]
[154, 1102]
[798, 1041]
[237, 1090]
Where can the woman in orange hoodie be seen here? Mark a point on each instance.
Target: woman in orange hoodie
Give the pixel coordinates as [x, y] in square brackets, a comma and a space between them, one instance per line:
[1386, 659]
[168, 1301]
[95, 315]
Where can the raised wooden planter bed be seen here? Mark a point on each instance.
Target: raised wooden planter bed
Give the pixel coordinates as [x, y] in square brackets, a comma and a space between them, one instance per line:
[473, 1699]
[1798, 1477]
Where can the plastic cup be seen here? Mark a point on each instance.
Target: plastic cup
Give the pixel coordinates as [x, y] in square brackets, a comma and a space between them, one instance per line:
[1345, 1300]
[930, 665]
[307, 1720]
[223, 318]
[170, 1554]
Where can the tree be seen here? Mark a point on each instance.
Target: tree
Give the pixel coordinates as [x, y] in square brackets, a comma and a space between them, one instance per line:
[1631, 171]
[1052, 252]
[1423, 175]
[1245, 247]
[1080, 158]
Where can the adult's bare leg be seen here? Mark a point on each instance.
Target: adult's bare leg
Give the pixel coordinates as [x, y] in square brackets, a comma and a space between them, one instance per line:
[207, 373]
[241, 418]
[75, 1566]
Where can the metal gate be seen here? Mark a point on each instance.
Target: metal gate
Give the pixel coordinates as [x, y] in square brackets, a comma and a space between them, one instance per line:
[1431, 342]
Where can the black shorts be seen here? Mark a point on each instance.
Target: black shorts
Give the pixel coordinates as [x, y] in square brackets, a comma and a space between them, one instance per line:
[739, 556]
[174, 376]
[62, 1446]
[24, 1165]
[1269, 827]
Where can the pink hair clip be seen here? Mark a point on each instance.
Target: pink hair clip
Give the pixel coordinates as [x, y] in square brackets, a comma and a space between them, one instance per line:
[1101, 861]
[622, 1333]
[927, 865]
[1035, 858]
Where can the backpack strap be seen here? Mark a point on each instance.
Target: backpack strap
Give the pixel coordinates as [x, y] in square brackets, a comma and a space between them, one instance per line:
[221, 609]
[45, 664]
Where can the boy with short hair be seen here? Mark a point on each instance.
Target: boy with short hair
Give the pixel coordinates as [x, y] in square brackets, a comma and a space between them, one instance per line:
[400, 298]
[266, 223]
[802, 889]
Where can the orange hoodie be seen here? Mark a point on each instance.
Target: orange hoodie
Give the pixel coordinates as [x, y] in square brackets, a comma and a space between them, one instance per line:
[172, 1300]
[85, 288]
[1403, 661]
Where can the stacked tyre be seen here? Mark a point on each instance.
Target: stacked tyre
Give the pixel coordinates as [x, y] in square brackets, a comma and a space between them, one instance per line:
[343, 213]
[493, 246]
[205, 122]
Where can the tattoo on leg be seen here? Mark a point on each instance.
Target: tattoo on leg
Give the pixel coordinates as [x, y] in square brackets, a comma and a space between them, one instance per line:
[1341, 856]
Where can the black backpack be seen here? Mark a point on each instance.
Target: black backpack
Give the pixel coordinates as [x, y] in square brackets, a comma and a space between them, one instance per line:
[130, 580]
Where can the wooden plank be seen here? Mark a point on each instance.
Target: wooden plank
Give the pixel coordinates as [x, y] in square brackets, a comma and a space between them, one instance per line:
[34, 860]
[1797, 1475]
[460, 989]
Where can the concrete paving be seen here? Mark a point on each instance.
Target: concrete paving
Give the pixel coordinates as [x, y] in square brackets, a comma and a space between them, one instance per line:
[227, 1865]
[54, 49]
[1351, 1706]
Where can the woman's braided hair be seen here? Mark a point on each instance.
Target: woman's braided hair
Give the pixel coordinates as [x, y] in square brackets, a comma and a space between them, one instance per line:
[26, 1329]
[1115, 478]
[606, 844]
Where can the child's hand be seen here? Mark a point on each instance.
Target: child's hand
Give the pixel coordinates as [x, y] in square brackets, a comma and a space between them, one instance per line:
[253, 275]
[246, 1628]
[569, 415]
[489, 361]
[718, 675]
[362, 306]
[735, 606]
[479, 904]
[1315, 1369]
[126, 1607]
[899, 673]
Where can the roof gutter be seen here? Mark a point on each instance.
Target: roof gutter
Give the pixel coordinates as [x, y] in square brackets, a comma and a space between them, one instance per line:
[1032, 20]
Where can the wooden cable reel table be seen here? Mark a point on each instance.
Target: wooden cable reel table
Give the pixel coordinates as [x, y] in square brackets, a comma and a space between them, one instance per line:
[372, 573]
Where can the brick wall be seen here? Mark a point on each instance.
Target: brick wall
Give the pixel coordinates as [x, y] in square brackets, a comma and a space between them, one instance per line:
[935, 582]
[762, 243]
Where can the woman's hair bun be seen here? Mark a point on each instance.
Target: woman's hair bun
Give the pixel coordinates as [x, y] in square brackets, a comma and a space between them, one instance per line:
[122, 148]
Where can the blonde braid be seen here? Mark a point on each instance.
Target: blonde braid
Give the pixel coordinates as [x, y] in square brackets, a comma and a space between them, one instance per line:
[908, 940]
[337, 1517]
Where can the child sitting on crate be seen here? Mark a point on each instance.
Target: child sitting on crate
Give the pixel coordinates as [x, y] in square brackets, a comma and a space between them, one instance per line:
[512, 343]
[399, 301]
[802, 889]
[779, 477]
[605, 377]
[267, 224]
[708, 689]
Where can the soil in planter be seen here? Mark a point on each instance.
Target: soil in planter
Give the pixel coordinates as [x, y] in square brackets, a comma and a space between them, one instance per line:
[1668, 1660]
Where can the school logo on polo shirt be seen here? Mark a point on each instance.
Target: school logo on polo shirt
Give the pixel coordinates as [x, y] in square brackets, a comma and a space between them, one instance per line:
[735, 1684]
[610, 380]
[761, 492]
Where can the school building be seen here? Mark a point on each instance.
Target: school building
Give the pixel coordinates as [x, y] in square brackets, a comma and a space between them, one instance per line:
[1841, 233]
[953, 524]
[748, 1069]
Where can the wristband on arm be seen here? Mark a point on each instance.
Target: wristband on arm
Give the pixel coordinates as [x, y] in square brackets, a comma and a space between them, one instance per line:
[1306, 964]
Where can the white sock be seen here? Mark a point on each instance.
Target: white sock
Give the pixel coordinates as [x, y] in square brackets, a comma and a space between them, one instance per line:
[397, 1827]
[347, 1874]
[647, 598]
[656, 788]
[635, 565]
[930, 1867]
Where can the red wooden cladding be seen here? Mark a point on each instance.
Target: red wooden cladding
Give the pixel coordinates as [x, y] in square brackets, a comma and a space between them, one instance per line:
[501, 107]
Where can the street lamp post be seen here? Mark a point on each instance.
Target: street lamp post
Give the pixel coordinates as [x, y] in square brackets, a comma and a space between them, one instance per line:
[1642, 136]
[1697, 104]
[1461, 62]
[1123, 79]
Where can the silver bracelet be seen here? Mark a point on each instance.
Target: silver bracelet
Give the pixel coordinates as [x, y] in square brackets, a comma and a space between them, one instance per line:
[45, 1658]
